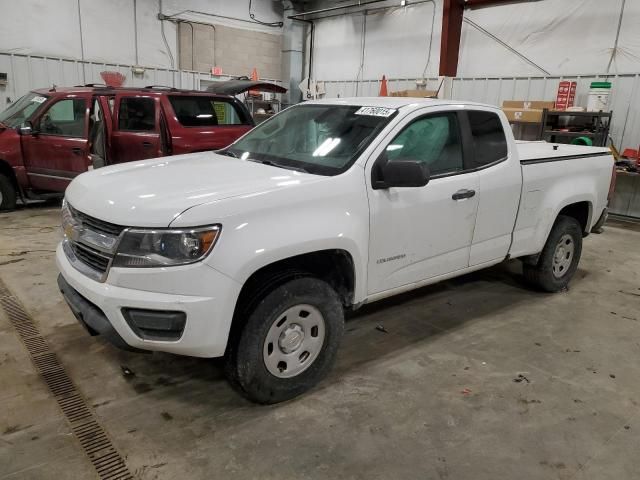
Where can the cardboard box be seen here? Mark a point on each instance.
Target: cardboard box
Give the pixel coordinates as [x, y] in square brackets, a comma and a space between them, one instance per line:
[414, 93]
[523, 115]
[527, 104]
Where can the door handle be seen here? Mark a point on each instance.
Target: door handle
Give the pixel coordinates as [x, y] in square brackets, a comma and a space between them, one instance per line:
[146, 144]
[76, 150]
[462, 194]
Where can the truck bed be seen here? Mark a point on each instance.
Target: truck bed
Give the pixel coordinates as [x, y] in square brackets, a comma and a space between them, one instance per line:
[541, 152]
[554, 176]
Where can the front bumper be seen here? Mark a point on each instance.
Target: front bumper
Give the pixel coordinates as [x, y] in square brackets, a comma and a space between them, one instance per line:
[90, 316]
[206, 296]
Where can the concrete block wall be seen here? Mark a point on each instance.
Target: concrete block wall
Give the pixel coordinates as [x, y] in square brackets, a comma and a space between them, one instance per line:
[237, 51]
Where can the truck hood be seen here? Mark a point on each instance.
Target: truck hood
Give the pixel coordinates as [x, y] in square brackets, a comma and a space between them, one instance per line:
[153, 193]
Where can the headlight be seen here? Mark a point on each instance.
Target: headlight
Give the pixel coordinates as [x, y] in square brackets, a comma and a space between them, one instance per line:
[159, 248]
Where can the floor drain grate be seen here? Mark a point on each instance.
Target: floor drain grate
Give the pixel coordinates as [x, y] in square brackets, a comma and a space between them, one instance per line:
[108, 463]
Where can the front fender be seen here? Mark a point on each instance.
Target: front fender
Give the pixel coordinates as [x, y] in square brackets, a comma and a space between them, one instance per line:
[262, 229]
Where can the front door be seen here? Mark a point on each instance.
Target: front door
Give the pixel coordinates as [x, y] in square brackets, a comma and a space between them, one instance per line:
[58, 149]
[136, 134]
[420, 233]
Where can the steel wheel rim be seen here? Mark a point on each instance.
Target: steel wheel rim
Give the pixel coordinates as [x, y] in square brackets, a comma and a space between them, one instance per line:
[294, 341]
[563, 256]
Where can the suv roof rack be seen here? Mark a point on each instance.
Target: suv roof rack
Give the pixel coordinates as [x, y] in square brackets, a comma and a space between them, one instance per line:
[94, 85]
[162, 87]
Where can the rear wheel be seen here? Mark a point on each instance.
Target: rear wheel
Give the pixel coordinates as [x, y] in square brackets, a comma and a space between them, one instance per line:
[288, 343]
[7, 193]
[559, 259]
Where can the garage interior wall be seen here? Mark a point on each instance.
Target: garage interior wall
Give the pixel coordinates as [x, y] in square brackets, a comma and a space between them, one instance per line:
[546, 40]
[100, 32]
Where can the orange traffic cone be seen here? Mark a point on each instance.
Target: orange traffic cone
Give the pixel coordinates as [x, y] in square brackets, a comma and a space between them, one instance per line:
[383, 87]
[254, 77]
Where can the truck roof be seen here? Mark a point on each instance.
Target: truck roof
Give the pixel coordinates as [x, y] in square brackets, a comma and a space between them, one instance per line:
[395, 102]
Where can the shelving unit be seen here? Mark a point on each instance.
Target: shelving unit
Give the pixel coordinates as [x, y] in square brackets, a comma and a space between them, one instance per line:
[270, 106]
[594, 125]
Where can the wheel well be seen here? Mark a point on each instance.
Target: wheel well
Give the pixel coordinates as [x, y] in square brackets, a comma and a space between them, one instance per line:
[580, 211]
[6, 169]
[333, 266]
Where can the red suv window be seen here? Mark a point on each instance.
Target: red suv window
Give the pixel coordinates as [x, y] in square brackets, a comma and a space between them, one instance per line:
[137, 114]
[201, 111]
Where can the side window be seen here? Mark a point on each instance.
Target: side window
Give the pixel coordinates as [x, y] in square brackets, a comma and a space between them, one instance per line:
[137, 114]
[434, 140]
[203, 111]
[227, 113]
[489, 142]
[66, 118]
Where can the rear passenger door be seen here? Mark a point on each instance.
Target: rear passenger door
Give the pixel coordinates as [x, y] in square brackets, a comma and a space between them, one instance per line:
[136, 133]
[500, 180]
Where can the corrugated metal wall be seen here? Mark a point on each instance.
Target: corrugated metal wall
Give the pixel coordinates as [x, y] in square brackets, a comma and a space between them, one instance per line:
[27, 72]
[624, 101]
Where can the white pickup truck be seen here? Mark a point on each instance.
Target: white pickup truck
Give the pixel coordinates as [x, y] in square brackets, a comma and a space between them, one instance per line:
[254, 252]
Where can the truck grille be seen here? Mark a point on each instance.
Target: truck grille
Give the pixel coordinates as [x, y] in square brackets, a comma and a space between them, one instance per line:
[95, 224]
[93, 258]
[90, 244]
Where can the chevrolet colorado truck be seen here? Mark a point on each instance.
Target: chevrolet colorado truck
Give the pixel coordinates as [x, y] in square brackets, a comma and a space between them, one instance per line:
[254, 252]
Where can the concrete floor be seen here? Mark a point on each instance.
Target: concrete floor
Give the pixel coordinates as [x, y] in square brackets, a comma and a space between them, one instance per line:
[433, 398]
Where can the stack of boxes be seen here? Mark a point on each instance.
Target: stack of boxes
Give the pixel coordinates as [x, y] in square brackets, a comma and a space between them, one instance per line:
[525, 111]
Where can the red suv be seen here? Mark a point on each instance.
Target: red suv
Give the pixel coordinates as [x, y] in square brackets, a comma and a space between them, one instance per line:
[48, 137]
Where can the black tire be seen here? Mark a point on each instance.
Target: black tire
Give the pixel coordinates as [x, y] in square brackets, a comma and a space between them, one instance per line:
[541, 275]
[245, 365]
[7, 193]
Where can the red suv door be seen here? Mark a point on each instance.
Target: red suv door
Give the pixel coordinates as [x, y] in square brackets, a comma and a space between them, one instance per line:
[136, 132]
[57, 151]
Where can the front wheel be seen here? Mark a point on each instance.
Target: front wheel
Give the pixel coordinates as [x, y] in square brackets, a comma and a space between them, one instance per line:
[559, 258]
[288, 343]
[7, 193]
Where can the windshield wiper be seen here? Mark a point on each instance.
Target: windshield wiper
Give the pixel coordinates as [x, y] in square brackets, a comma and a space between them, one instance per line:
[227, 153]
[279, 165]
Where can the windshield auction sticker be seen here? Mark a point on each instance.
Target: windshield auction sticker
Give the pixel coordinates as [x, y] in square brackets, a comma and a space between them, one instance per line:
[38, 99]
[375, 111]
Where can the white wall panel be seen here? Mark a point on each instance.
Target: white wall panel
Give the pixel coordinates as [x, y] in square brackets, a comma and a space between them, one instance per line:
[51, 27]
[396, 43]
[337, 48]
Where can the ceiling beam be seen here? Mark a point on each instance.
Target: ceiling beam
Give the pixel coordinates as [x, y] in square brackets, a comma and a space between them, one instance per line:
[452, 12]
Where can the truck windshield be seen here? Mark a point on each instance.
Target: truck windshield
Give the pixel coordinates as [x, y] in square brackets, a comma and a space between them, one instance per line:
[319, 139]
[22, 109]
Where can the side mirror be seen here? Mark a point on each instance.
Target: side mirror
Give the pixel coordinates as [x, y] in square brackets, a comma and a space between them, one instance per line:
[401, 173]
[26, 128]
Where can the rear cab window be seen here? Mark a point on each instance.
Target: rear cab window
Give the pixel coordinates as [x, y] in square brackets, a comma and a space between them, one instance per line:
[206, 111]
[488, 139]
